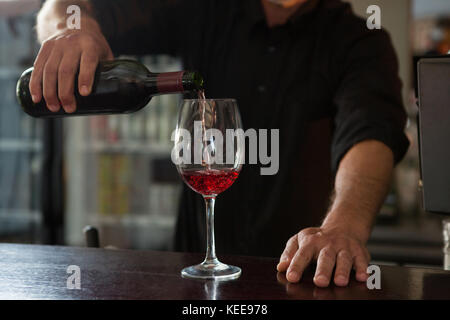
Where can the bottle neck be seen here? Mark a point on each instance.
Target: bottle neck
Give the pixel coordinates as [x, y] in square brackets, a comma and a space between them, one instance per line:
[170, 82]
[174, 82]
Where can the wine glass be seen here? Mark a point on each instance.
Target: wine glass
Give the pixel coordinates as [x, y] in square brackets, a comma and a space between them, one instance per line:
[209, 153]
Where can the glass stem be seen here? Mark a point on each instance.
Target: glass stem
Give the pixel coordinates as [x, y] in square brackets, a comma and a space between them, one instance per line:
[210, 244]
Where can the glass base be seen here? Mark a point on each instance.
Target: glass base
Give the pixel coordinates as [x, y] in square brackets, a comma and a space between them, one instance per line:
[211, 271]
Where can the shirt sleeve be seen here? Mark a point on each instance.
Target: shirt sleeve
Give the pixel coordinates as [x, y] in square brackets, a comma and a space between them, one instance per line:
[144, 26]
[368, 98]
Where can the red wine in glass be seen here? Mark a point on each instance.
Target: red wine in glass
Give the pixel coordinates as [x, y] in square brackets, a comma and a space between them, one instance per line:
[208, 175]
[210, 182]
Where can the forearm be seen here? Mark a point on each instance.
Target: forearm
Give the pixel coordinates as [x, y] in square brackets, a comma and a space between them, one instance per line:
[53, 17]
[362, 182]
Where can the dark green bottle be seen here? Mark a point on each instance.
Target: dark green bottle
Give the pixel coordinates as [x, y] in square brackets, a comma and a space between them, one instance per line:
[120, 86]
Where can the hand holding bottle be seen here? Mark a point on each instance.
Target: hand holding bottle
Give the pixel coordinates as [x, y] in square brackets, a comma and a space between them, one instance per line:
[64, 52]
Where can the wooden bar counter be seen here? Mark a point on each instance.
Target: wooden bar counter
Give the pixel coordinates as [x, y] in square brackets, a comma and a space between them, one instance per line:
[40, 272]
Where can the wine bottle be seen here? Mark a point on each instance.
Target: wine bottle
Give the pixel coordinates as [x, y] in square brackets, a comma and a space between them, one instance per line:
[120, 86]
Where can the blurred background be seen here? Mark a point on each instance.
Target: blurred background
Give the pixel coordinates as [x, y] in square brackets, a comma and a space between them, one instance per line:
[117, 173]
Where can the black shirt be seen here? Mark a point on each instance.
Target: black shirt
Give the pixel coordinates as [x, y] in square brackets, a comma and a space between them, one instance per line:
[323, 79]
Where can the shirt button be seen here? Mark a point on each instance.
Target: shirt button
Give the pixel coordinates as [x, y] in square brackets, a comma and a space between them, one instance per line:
[261, 88]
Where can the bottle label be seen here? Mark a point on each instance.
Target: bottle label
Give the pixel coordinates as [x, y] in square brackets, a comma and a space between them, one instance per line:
[170, 82]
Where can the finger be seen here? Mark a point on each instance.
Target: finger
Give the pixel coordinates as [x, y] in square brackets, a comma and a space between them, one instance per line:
[299, 262]
[281, 278]
[88, 65]
[66, 78]
[288, 253]
[35, 84]
[360, 265]
[325, 266]
[343, 268]
[50, 80]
